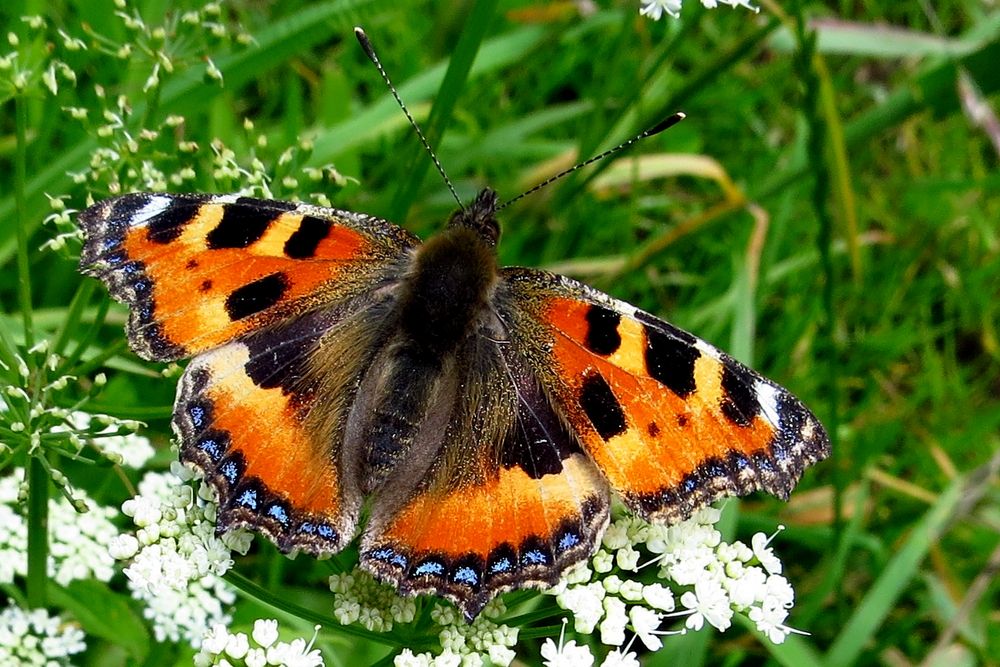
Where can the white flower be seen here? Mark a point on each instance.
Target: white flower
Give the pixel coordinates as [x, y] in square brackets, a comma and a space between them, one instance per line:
[77, 546]
[501, 655]
[265, 632]
[765, 555]
[585, 602]
[35, 638]
[219, 641]
[214, 641]
[770, 621]
[748, 588]
[691, 553]
[406, 658]
[358, 598]
[658, 596]
[177, 568]
[619, 659]
[654, 9]
[565, 655]
[615, 620]
[709, 603]
[780, 590]
[645, 623]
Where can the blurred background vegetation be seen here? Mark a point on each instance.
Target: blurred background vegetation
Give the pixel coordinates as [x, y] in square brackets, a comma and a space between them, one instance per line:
[828, 213]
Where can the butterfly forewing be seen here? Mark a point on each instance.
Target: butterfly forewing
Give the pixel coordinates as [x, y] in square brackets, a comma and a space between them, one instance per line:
[199, 270]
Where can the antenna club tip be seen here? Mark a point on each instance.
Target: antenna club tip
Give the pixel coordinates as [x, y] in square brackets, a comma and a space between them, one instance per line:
[365, 43]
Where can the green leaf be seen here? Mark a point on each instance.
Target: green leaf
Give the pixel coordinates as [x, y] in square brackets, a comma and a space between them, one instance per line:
[103, 613]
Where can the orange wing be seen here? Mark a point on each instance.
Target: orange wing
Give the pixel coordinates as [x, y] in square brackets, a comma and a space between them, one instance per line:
[267, 428]
[508, 500]
[672, 422]
[201, 270]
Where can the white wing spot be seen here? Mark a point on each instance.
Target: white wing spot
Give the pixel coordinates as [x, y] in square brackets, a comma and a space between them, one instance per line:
[707, 350]
[156, 205]
[767, 397]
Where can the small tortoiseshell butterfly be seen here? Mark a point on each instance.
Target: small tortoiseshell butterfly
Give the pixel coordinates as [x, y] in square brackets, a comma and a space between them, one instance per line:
[484, 414]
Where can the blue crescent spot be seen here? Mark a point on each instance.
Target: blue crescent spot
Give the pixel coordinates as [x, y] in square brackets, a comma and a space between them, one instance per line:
[741, 461]
[568, 540]
[430, 567]
[502, 565]
[229, 471]
[383, 553]
[399, 560]
[307, 528]
[690, 484]
[534, 557]
[115, 258]
[326, 531]
[197, 414]
[278, 512]
[466, 575]
[211, 447]
[248, 499]
[764, 464]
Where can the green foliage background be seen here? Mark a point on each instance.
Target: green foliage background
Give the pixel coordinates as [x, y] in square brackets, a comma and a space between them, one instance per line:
[833, 222]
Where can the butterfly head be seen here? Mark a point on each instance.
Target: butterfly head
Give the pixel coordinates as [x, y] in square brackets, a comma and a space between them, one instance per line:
[480, 217]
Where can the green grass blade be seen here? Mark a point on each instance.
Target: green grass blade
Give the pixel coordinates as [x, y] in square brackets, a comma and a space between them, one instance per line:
[894, 580]
[374, 120]
[882, 41]
[459, 66]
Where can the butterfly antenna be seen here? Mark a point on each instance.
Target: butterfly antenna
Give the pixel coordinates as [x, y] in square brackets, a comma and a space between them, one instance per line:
[370, 52]
[664, 124]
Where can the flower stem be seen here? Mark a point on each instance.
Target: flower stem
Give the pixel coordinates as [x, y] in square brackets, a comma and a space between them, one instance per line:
[38, 532]
[20, 179]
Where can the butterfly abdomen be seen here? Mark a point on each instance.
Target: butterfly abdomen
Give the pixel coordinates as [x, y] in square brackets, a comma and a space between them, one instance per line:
[442, 298]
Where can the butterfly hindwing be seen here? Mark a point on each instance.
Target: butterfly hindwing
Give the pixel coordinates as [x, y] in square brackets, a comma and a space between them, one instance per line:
[509, 500]
[672, 422]
[201, 270]
[264, 418]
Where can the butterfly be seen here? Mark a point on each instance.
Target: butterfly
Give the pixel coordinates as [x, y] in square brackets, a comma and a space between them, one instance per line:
[480, 417]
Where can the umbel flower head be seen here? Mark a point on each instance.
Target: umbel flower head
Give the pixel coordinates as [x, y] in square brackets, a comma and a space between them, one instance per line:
[176, 561]
[642, 578]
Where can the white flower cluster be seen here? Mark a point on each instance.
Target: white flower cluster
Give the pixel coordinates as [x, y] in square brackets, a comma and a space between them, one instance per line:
[723, 578]
[77, 541]
[358, 598]
[654, 9]
[176, 559]
[35, 638]
[482, 642]
[220, 647]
